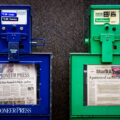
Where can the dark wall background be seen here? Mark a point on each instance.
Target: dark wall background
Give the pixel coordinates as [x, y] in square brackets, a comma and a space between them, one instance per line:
[64, 24]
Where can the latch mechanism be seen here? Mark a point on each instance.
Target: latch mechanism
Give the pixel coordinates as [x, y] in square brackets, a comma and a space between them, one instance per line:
[107, 45]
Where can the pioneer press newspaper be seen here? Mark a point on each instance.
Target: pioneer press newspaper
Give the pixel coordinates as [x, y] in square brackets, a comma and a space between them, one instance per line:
[18, 84]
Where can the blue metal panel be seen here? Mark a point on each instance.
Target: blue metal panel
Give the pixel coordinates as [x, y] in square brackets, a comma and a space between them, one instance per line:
[15, 46]
[25, 34]
[40, 111]
[24, 118]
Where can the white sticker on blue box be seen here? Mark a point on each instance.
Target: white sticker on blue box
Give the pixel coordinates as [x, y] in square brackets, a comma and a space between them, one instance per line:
[9, 17]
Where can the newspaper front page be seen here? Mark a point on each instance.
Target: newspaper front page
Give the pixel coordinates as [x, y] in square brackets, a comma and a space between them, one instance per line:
[103, 85]
[18, 84]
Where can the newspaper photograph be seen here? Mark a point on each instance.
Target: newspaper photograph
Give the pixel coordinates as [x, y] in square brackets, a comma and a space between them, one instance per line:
[103, 85]
[18, 84]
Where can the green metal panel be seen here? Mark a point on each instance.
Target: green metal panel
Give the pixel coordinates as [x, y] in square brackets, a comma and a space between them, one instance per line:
[104, 46]
[78, 110]
[104, 6]
[94, 118]
[97, 30]
[109, 30]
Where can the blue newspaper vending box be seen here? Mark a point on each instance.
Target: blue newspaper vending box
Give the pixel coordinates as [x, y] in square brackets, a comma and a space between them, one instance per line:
[25, 85]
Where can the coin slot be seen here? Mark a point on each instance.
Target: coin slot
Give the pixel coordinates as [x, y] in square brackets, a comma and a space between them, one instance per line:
[114, 47]
[114, 28]
[21, 46]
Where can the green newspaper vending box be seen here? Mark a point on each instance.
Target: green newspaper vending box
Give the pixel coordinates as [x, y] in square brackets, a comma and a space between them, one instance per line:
[95, 76]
